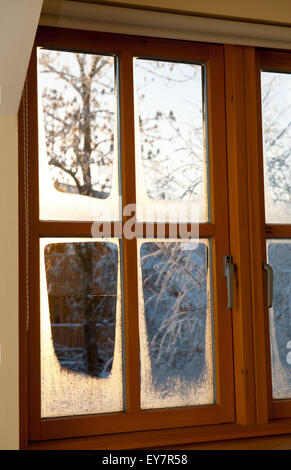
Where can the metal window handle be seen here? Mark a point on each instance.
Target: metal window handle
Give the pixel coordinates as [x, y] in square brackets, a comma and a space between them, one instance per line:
[268, 268]
[228, 270]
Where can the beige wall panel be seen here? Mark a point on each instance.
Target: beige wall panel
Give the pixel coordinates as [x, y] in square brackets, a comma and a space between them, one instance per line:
[9, 283]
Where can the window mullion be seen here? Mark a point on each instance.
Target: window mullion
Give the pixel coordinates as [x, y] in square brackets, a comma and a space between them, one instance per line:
[256, 234]
[239, 233]
[130, 279]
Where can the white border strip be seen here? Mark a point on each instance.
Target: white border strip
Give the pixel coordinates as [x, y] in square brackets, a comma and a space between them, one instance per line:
[68, 14]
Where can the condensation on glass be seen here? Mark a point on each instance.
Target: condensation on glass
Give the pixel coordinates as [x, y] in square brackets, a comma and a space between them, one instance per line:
[276, 109]
[81, 344]
[175, 323]
[279, 257]
[171, 157]
[78, 163]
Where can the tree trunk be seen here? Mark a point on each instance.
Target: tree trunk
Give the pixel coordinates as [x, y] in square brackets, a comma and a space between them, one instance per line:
[93, 359]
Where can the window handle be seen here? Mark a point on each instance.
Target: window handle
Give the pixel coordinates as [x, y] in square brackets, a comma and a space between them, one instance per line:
[228, 270]
[267, 267]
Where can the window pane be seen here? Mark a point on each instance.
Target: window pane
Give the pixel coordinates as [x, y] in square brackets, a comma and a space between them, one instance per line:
[170, 143]
[77, 144]
[276, 107]
[279, 256]
[175, 324]
[81, 364]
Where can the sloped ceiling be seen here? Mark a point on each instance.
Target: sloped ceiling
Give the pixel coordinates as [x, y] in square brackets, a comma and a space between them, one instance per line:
[262, 11]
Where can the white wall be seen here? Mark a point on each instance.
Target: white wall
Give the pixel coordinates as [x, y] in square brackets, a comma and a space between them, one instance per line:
[18, 23]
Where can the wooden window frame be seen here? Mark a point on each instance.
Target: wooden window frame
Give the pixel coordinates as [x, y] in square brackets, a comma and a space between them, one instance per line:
[253, 414]
[276, 61]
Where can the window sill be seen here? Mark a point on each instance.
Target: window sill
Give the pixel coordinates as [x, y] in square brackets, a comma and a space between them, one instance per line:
[262, 443]
[221, 436]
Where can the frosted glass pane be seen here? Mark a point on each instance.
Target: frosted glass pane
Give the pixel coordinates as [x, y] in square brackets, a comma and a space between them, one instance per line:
[78, 164]
[81, 357]
[276, 107]
[171, 160]
[175, 322]
[279, 257]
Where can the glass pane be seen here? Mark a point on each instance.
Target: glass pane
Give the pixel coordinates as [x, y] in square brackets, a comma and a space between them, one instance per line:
[81, 363]
[170, 142]
[175, 324]
[78, 174]
[279, 257]
[276, 107]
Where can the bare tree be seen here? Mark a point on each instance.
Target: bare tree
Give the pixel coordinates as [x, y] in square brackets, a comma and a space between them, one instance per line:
[79, 124]
[277, 162]
[79, 129]
[277, 137]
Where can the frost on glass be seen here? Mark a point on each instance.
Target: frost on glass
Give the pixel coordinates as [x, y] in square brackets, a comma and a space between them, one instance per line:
[78, 174]
[175, 324]
[279, 257]
[81, 351]
[276, 108]
[170, 143]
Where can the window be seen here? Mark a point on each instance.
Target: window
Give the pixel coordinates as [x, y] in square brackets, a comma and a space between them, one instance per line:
[275, 74]
[139, 248]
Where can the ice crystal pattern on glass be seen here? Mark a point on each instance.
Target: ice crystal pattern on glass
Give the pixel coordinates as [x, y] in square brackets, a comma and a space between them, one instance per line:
[175, 325]
[279, 256]
[80, 328]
